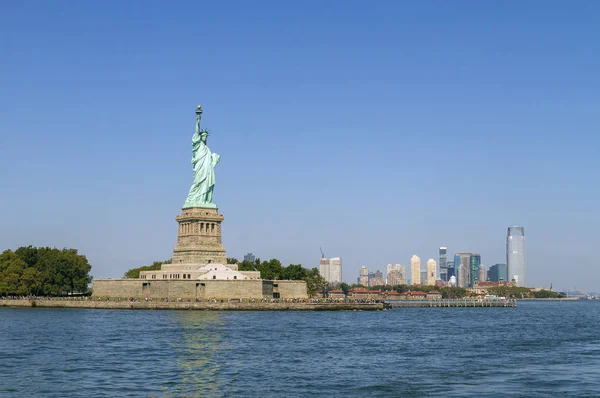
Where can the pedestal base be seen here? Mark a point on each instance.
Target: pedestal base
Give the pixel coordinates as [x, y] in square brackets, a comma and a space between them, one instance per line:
[199, 237]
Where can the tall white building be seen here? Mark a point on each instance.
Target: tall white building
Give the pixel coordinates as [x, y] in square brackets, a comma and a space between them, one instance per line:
[331, 269]
[403, 271]
[415, 270]
[363, 278]
[515, 256]
[431, 272]
[461, 276]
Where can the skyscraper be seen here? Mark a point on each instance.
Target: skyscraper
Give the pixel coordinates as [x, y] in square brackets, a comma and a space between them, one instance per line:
[331, 269]
[394, 277]
[431, 271]
[515, 256]
[324, 268]
[463, 259]
[363, 278]
[249, 257]
[335, 270]
[497, 273]
[376, 279]
[461, 276]
[482, 273]
[396, 274]
[451, 271]
[404, 272]
[443, 263]
[415, 270]
[474, 263]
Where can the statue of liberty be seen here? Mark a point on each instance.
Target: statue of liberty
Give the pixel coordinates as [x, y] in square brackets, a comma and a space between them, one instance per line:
[204, 162]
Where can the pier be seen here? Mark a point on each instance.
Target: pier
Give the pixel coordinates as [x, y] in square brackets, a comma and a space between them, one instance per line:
[452, 303]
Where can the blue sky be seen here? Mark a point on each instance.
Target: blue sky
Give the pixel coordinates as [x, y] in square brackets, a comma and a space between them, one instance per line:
[375, 130]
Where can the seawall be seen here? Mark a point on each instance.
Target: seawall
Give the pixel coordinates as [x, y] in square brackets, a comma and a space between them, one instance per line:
[183, 305]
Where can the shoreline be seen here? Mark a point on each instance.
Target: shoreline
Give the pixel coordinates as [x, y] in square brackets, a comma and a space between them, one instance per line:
[550, 299]
[185, 305]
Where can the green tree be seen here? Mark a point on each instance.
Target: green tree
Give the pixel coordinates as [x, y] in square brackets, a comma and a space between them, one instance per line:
[29, 254]
[315, 283]
[510, 291]
[11, 272]
[247, 266]
[401, 288]
[344, 287]
[135, 272]
[381, 287]
[453, 292]
[232, 260]
[76, 272]
[295, 272]
[271, 269]
[43, 271]
[32, 281]
[545, 294]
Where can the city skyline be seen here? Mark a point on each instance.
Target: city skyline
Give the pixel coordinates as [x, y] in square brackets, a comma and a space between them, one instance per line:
[470, 269]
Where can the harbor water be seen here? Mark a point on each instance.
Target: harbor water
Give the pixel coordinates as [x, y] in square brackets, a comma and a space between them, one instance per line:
[538, 349]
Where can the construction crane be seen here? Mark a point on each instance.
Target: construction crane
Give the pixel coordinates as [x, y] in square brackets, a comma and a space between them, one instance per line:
[322, 254]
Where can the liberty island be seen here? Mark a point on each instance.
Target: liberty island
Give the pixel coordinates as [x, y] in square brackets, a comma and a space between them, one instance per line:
[198, 276]
[198, 269]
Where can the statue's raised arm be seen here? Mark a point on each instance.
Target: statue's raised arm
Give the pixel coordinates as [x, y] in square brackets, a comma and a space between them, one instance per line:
[198, 117]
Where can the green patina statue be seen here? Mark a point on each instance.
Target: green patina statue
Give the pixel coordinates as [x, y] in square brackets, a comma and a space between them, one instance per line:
[204, 162]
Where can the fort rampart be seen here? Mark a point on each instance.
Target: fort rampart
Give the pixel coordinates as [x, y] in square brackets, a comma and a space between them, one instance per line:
[224, 305]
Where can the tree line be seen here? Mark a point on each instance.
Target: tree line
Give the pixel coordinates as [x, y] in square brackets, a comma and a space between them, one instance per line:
[274, 270]
[446, 292]
[524, 292]
[135, 272]
[43, 271]
[455, 292]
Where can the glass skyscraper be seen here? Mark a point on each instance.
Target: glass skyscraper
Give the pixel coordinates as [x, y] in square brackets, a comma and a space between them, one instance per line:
[443, 263]
[474, 263]
[515, 255]
[497, 273]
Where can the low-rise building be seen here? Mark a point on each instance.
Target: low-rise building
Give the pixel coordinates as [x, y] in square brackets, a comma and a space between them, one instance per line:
[391, 295]
[415, 295]
[336, 294]
[364, 294]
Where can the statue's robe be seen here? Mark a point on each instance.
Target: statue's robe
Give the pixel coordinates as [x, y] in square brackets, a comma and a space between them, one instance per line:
[204, 162]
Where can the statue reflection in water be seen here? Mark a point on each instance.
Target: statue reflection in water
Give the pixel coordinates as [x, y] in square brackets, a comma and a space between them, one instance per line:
[196, 346]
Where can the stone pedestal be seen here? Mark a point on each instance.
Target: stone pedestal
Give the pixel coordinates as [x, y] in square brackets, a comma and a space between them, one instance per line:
[199, 237]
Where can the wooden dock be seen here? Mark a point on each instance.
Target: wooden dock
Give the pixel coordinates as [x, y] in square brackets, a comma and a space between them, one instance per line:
[452, 303]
